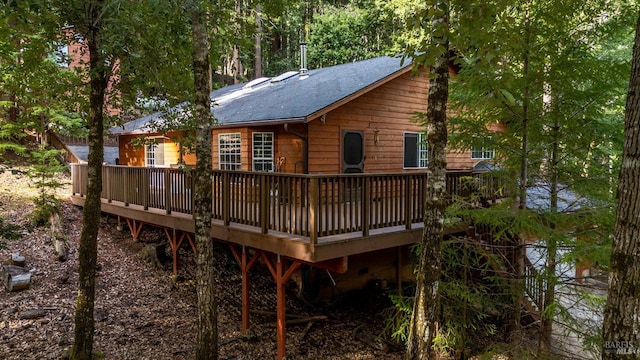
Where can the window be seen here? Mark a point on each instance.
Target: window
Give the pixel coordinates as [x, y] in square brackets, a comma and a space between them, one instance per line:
[154, 154]
[416, 152]
[229, 151]
[263, 151]
[61, 55]
[482, 149]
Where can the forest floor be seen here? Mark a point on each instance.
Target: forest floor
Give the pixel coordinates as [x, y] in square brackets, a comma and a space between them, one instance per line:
[141, 312]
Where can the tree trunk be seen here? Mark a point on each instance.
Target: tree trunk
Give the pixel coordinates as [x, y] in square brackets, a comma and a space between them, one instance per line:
[552, 250]
[425, 308]
[257, 61]
[520, 252]
[207, 332]
[58, 238]
[88, 250]
[236, 64]
[622, 312]
[544, 343]
[18, 260]
[15, 278]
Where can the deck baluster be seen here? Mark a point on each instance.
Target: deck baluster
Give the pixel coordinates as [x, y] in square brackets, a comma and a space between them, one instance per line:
[226, 198]
[167, 191]
[264, 204]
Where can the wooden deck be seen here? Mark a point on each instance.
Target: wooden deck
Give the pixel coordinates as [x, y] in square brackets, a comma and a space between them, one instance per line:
[311, 218]
[283, 219]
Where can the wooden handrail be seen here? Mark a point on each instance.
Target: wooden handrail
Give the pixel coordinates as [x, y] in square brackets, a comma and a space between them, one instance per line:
[77, 140]
[535, 285]
[311, 206]
[68, 155]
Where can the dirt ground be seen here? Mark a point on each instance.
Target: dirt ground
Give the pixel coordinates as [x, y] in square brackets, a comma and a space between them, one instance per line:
[141, 312]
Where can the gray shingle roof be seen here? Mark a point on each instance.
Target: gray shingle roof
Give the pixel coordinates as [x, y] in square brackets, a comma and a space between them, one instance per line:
[289, 97]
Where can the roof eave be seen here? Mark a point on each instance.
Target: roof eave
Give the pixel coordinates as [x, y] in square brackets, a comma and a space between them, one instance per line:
[268, 122]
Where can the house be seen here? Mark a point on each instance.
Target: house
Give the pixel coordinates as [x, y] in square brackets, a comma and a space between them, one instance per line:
[320, 174]
[350, 118]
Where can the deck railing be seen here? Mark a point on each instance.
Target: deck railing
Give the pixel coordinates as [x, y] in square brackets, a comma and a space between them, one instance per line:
[76, 140]
[312, 206]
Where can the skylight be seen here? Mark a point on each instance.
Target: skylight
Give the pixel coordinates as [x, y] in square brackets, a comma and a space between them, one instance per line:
[284, 76]
[255, 82]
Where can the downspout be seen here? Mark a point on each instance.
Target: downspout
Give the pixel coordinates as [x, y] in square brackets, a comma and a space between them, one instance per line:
[305, 148]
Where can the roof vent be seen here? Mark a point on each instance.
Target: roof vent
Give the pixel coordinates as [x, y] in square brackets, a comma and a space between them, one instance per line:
[303, 60]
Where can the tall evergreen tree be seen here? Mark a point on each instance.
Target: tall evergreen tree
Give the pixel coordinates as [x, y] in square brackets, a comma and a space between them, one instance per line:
[88, 17]
[426, 303]
[544, 70]
[622, 312]
[207, 330]
[37, 92]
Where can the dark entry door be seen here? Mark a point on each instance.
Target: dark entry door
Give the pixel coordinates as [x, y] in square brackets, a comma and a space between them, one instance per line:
[352, 151]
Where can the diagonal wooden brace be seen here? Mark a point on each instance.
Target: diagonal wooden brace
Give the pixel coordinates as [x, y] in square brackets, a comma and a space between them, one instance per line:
[281, 275]
[175, 242]
[135, 227]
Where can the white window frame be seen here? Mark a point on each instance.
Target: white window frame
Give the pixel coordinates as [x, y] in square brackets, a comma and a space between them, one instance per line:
[229, 151]
[422, 155]
[480, 150]
[263, 150]
[151, 153]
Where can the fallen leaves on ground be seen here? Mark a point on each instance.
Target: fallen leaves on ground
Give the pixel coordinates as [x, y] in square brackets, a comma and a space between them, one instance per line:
[140, 311]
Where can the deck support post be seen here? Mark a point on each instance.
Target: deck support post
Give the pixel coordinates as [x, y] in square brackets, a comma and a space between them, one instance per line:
[135, 227]
[246, 264]
[366, 205]
[281, 276]
[119, 225]
[408, 186]
[314, 213]
[175, 242]
[126, 187]
[281, 310]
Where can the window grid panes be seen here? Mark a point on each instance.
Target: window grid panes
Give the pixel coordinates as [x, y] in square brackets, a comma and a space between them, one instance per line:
[416, 150]
[263, 151]
[481, 149]
[229, 151]
[150, 155]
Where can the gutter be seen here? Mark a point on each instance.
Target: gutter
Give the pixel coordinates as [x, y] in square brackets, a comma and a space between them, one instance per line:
[305, 148]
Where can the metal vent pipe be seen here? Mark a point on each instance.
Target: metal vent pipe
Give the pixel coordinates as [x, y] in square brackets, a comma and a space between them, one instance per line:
[303, 58]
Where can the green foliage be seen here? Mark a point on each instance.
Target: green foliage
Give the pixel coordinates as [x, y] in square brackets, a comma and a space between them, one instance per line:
[474, 297]
[36, 92]
[555, 79]
[398, 317]
[8, 232]
[578, 67]
[474, 300]
[45, 176]
[348, 33]
[336, 32]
